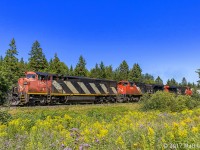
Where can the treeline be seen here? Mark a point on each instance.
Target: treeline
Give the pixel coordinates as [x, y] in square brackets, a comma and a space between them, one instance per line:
[12, 68]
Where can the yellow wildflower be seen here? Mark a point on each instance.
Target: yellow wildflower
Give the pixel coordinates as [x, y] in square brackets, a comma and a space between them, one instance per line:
[195, 129]
[175, 125]
[183, 123]
[119, 141]
[150, 131]
[182, 133]
[188, 120]
[103, 133]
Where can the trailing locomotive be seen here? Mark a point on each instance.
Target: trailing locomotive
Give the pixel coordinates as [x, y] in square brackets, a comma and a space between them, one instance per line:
[44, 88]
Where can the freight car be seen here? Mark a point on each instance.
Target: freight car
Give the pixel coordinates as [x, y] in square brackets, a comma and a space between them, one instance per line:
[44, 88]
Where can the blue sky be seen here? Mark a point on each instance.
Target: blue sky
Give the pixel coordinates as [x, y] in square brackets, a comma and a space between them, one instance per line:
[163, 36]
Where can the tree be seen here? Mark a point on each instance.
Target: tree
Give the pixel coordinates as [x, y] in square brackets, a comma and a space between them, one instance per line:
[23, 67]
[71, 71]
[10, 68]
[102, 72]
[57, 67]
[95, 72]
[37, 60]
[109, 72]
[4, 87]
[159, 80]
[80, 69]
[172, 82]
[148, 79]
[198, 71]
[135, 73]
[184, 82]
[122, 72]
[1, 61]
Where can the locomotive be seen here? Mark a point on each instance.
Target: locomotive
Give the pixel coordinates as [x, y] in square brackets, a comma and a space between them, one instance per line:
[38, 88]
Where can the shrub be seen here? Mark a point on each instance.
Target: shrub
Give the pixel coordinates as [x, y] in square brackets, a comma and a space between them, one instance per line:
[159, 101]
[165, 101]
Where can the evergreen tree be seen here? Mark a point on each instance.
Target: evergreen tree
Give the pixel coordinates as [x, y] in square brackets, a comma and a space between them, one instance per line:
[184, 82]
[95, 72]
[109, 72]
[37, 60]
[10, 68]
[172, 82]
[4, 87]
[116, 75]
[148, 79]
[71, 71]
[198, 71]
[135, 73]
[123, 70]
[102, 72]
[80, 69]
[23, 67]
[159, 80]
[57, 67]
[1, 61]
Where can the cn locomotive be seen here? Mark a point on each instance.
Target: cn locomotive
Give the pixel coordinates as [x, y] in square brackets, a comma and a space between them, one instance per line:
[38, 88]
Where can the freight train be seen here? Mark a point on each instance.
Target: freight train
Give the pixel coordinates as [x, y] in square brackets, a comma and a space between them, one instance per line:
[38, 88]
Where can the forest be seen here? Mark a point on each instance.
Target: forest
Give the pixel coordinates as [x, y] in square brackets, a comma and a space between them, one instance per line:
[12, 68]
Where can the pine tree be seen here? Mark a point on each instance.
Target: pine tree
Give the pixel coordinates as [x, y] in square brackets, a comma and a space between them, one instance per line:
[102, 70]
[37, 60]
[1, 61]
[10, 68]
[80, 69]
[95, 72]
[116, 75]
[159, 80]
[172, 82]
[123, 70]
[71, 71]
[148, 79]
[4, 87]
[23, 67]
[198, 71]
[57, 67]
[109, 72]
[184, 82]
[135, 73]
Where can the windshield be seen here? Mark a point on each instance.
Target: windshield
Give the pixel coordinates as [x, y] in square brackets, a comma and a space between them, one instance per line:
[30, 76]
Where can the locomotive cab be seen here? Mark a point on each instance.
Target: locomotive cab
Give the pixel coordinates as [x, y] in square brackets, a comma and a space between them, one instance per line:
[128, 91]
[32, 86]
[171, 89]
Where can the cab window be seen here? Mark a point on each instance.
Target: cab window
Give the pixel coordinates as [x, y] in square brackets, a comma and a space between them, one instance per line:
[125, 83]
[41, 77]
[132, 84]
[28, 76]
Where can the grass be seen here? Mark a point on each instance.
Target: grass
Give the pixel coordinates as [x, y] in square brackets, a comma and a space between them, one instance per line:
[106, 126]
